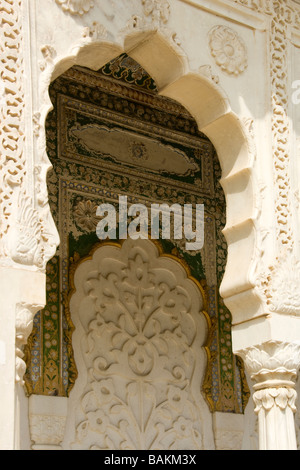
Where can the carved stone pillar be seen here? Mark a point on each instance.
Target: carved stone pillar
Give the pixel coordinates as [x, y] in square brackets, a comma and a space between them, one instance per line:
[273, 367]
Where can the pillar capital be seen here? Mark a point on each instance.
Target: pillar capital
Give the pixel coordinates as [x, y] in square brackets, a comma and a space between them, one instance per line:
[272, 364]
[273, 367]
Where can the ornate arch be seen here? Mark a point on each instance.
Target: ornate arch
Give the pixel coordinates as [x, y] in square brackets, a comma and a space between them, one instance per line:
[232, 138]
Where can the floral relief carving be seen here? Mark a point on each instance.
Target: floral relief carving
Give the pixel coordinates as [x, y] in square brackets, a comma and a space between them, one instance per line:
[26, 234]
[159, 10]
[139, 332]
[76, 7]
[85, 215]
[228, 50]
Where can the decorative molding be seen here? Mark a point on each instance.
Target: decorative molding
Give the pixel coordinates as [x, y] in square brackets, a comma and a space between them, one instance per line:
[26, 239]
[76, 7]
[278, 284]
[228, 440]
[206, 70]
[47, 430]
[49, 54]
[228, 50]
[12, 136]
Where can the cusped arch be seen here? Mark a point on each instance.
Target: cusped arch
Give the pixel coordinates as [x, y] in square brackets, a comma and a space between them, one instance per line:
[208, 104]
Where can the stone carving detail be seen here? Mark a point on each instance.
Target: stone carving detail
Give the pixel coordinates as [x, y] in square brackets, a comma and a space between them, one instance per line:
[280, 285]
[275, 397]
[156, 16]
[49, 54]
[95, 32]
[159, 10]
[228, 50]
[26, 234]
[274, 361]
[76, 7]
[282, 15]
[85, 215]
[21, 236]
[12, 162]
[142, 331]
[47, 429]
[24, 323]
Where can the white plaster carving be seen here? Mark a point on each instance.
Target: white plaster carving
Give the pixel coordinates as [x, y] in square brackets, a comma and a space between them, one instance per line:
[228, 50]
[47, 429]
[159, 10]
[156, 16]
[96, 32]
[207, 72]
[280, 285]
[140, 325]
[76, 7]
[24, 323]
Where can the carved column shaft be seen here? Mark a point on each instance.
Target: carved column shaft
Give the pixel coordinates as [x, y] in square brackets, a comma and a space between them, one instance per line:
[273, 367]
[275, 408]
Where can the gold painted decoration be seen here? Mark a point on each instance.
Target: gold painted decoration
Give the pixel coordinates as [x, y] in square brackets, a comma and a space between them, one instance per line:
[82, 179]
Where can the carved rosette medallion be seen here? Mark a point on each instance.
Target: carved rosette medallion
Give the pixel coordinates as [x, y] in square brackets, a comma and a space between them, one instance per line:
[228, 50]
[76, 7]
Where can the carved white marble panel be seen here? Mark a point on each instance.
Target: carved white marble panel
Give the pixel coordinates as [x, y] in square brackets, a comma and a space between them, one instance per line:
[139, 337]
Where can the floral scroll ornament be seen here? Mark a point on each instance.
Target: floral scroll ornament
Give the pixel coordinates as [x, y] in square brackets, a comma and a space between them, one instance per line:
[228, 50]
[76, 7]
